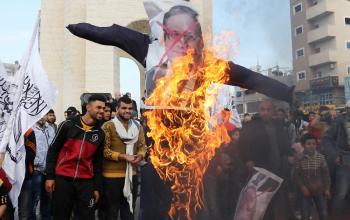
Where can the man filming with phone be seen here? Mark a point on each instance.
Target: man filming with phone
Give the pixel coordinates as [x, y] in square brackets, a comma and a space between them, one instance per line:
[124, 149]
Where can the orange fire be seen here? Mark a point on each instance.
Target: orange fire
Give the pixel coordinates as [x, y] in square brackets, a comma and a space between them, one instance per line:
[185, 136]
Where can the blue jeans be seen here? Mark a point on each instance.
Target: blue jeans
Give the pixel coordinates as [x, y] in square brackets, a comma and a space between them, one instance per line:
[342, 185]
[39, 194]
[320, 203]
[25, 202]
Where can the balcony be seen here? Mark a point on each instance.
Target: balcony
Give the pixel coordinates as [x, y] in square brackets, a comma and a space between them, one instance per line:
[321, 34]
[322, 58]
[322, 8]
[324, 82]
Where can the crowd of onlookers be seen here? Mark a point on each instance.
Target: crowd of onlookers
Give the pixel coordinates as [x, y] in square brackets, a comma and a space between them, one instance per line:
[36, 198]
[310, 151]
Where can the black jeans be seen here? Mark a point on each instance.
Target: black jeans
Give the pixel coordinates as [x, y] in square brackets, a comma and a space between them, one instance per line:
[156, 195]
[71, 193]
[115, 200]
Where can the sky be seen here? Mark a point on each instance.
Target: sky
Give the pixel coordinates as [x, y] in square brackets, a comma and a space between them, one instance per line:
[262, 30]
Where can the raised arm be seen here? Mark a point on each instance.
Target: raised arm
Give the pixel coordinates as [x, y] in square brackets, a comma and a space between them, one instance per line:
[248, 79]
[132, 42]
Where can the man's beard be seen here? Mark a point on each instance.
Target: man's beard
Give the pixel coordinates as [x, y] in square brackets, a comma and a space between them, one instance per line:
[124, 118]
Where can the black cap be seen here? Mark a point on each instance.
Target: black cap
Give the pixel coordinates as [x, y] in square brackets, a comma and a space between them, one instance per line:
[71, 110]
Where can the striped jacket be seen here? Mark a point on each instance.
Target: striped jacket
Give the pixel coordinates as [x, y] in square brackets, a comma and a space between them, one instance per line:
[312, 172]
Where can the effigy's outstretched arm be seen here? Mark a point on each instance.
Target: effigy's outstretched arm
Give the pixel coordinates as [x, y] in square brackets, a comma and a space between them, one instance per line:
[132, 42]
[248, 79]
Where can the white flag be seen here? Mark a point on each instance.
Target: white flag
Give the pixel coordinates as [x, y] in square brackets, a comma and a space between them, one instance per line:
[31, 96]
[5, 103]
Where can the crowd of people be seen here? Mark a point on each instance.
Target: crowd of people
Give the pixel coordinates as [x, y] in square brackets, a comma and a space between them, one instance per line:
[309, 151]
[67, 166]
[88, 165]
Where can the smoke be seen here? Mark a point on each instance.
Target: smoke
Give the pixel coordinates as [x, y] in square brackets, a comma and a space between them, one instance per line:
[262, 26]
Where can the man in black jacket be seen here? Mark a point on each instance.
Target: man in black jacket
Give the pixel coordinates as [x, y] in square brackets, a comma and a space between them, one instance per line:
[336, 146]
[264, 143]
[74, 163]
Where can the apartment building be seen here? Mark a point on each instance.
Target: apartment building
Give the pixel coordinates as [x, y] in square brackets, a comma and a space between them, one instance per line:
[321, 50]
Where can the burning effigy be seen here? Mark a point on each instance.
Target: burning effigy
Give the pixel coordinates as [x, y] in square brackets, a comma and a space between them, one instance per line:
[185, 134]
[185, 139]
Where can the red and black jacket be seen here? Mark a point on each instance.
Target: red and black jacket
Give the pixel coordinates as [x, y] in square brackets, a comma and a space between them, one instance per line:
[30, 146]
[75, 153]
[5, 187]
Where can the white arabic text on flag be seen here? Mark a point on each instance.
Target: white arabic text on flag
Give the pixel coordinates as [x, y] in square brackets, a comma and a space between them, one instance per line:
[5, 102]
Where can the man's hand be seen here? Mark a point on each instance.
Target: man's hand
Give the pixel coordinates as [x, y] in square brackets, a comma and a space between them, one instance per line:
[128, 158]
[291, 160]
[250, 165]
[50, 185]
[2, 210]
[305, 191]
[96, 196]
[219, 170]
[327, 194]
[137, 159]
[337, 161]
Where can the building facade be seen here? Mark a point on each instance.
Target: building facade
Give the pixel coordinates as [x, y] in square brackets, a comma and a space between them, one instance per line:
[11, 69]
[78, 66]
[321, 50]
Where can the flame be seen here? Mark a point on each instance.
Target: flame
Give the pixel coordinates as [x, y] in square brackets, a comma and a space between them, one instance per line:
[185, 136]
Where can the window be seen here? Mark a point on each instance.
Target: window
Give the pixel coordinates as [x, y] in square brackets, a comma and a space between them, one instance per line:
[299, 30]
[301, 75]
[318, 74]
[317, 50]
[347, 20]
[347, 44]
[326, 98]
[300, 53]
[348, 69]
[298, 8]
[240, 108]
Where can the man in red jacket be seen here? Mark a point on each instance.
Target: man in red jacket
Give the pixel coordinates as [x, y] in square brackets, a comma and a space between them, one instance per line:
[74, 163]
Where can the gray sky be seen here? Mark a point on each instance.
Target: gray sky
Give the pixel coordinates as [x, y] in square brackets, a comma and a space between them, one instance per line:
[263, 30]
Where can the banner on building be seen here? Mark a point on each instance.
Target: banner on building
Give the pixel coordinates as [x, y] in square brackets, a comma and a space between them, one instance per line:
[347, 88]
